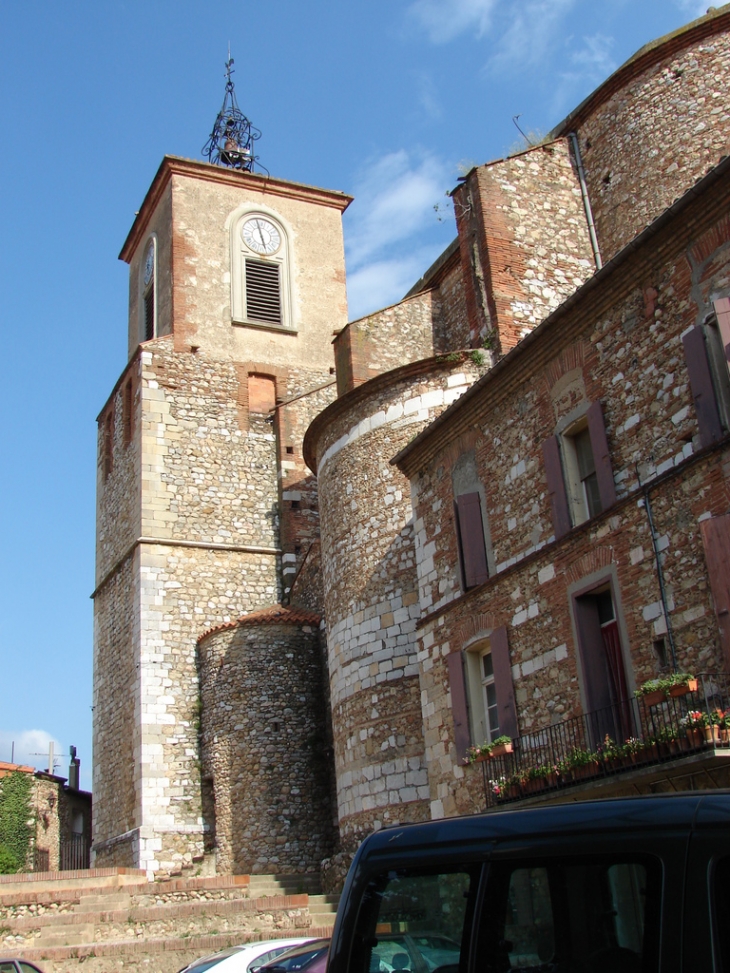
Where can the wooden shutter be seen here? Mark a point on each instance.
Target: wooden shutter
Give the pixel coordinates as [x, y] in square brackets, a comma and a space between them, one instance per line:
[468, 508]
[263, 294]
[722, 313]
[556, 486]
[459, 711]
[601, 455]
[503, 683]
[716, 542]
[700, 380]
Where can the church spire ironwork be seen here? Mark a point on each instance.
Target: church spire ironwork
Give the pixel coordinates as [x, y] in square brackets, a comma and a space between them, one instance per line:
[231, 142]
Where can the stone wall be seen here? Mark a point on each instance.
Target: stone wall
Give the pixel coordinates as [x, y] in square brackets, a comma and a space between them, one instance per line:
[655, 127]
[388, 338]
[207, 552]
[620, 344]
[264, 743]
[370, 590]
[524, 242]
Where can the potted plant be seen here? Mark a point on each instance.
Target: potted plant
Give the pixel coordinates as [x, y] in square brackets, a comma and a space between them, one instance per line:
[681, 683]
[694, 724]
[651, 692]
[583, 763]
[723, 724]
[501, 746]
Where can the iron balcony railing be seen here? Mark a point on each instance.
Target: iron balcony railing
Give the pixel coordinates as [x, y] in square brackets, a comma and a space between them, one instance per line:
[631, 733]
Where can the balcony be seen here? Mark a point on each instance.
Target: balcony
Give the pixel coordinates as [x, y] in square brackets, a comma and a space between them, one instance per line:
[609, 752]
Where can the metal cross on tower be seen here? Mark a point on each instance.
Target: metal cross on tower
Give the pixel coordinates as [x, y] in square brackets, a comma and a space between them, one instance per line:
[231, 141]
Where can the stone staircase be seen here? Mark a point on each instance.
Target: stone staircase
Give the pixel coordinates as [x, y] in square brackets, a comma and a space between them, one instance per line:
[114, 919]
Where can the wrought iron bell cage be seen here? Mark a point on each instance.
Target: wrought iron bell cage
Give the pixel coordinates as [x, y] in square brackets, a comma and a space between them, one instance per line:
[231, 142]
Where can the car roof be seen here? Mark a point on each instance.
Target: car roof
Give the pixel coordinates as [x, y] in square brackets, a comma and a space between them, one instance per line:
[648, 813]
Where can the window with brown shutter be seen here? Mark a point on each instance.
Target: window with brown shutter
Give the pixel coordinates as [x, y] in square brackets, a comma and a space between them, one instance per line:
[578, 471]
[263, 292]
[470, 534]
[707, 366]
[489, 690]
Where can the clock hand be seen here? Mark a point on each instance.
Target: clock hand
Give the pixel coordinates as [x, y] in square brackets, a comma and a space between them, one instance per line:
[261, 235]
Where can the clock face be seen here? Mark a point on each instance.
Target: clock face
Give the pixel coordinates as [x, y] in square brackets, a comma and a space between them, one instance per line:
[149, 264]
[261, 236]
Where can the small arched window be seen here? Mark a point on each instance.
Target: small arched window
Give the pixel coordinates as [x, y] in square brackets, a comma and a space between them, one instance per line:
[148, 292]
[260, 271]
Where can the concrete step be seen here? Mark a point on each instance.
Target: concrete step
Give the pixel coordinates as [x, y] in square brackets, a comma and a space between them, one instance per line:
[286, 884]
[77, 935]
[104, 903]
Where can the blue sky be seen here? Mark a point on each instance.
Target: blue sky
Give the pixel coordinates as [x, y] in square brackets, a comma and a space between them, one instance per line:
[388, 100]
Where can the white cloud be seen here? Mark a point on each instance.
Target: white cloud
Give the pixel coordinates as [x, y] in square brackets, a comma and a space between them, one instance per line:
[391, 230]
[589, 66]
[445, 19]
[382, 283]
[531, 34]
[30, 747]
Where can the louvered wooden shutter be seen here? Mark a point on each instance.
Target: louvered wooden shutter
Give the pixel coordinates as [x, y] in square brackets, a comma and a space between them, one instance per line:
[716, 542]
[459, 711]
[722, 313]
[556, 487]
[149, 311]
[471, 539]
[703, 391]
[263, 293]
[502, 668]
[601, 455]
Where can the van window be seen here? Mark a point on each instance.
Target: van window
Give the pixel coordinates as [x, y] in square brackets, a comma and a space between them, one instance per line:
[415, 921]
[601, 915]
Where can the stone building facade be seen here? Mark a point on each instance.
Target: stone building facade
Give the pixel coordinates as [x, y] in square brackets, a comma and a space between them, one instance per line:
[311, 531]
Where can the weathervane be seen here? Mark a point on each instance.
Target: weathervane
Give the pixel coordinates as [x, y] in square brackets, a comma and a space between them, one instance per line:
[231, 141]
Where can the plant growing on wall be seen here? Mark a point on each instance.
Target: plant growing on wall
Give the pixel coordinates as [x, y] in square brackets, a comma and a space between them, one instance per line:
[16, 825]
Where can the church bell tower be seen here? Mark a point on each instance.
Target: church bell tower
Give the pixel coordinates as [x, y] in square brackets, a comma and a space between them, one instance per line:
[205, 508]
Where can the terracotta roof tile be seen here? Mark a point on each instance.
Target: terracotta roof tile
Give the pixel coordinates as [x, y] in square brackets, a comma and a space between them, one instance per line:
[275, 615]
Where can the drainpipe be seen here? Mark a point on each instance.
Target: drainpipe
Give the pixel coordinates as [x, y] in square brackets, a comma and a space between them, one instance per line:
[586, 200]
[659, 571]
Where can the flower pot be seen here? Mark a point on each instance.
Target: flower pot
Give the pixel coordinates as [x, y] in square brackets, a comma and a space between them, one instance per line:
[724, 735]
[501, 749]
[585, 771]
[654, 698]
[481, 758]
[712, 734]
[682, 690]
[514, 791]
[696, 737]
[674, 746]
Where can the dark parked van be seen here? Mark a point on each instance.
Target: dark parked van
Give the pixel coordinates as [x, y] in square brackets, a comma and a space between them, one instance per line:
[620, 886]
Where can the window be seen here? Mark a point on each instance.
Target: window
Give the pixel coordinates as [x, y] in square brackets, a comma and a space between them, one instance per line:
[107, 442]
[127, 409]
[260, 272]
[706, 353]
[482, 694]
[148, 302]
[578, 471]
[595, 914]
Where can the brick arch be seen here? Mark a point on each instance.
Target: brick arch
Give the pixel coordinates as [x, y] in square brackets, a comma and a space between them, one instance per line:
[573, 357]
[477, 625]
[599, 557]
